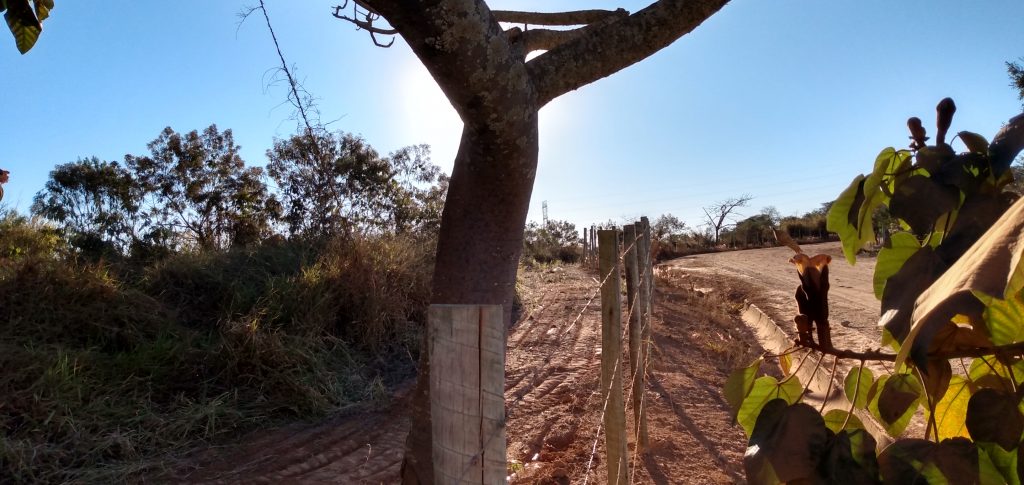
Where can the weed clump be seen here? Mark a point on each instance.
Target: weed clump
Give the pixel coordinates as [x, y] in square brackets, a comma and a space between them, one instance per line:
[110, 368]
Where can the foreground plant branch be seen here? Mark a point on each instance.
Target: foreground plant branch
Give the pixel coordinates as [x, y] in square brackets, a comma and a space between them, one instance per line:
[1015, 349]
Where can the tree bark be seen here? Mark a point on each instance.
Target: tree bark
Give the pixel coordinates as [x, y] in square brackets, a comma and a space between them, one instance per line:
[478, 249]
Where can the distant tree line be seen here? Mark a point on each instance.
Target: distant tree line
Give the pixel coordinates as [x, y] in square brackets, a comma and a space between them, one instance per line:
[673, 238]
[193, 191]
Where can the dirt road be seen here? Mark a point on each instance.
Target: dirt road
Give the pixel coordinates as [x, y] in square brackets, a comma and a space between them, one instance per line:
[552, 399]
[772, 280]
[552, 395]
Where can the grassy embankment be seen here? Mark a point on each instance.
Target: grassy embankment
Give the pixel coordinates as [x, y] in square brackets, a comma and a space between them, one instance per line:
[112, 368]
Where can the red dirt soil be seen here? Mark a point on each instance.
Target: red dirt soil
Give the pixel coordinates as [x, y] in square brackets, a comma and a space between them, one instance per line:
[552, 399]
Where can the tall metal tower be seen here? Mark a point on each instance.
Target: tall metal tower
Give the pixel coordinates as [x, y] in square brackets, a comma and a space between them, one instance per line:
[544, 206]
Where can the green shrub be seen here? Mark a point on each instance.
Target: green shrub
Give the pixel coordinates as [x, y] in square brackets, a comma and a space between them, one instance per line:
[108, 368]
[551, 242]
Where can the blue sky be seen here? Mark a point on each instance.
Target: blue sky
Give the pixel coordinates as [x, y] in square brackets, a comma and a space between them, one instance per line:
[784, 100]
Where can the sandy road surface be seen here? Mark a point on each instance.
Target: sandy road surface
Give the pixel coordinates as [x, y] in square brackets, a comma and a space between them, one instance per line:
[772, 281]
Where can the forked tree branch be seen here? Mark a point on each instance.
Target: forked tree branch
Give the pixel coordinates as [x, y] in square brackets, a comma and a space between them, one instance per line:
[542, 39]
[604, 51]
[547, 39]
[578, 17]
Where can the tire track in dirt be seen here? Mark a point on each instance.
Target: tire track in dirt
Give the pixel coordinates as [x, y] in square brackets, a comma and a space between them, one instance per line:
[553, 404]
[544, 415]
[552, 434]
[357, 448]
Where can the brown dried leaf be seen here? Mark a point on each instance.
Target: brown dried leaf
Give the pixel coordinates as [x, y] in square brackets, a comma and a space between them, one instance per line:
[991, 266]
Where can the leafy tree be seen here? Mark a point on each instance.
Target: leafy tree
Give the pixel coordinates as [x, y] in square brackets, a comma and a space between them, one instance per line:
[4, 177]
[97, 202]
[417, 196]
[810, 225]
[25, 19]
[201, 191]
[772, 214]
[754, 230]
[334, 183]
[667, 225]
[556, 240]
[1016, 72]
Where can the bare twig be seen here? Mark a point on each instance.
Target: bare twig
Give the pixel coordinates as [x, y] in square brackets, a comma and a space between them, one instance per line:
[831, 381]
[369, 16]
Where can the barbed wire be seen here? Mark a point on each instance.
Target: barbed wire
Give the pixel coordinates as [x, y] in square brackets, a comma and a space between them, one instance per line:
[478, 456]
[632, 382]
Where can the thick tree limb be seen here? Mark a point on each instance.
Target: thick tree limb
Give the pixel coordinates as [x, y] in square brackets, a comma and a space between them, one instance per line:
[578, 17]
[604, 51]
[1007, 144]
[543, 39]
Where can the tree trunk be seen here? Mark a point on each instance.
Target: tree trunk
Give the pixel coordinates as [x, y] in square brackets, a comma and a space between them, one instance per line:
[484, 74]
[478, 248]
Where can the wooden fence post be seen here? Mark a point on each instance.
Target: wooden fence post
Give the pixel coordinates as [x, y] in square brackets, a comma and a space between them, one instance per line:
[586, 248]
[650, 257]
[644, 259]
[467, 393]
[611, 358]
[636, 364]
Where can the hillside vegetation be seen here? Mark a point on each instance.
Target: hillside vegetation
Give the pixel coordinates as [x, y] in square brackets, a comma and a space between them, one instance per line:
[178, 299]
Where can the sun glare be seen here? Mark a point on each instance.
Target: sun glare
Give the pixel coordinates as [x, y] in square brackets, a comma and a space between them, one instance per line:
[427, 116]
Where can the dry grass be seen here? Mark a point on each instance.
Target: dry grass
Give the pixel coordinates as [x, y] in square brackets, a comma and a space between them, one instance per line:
[713, 315]
[109, 371]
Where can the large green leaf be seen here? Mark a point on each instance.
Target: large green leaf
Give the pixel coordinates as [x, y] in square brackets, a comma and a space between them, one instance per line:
[974, 142]
[951, 410]
[915, 461]
[1003, 318]
[786, 444]
[993, 416]
[43, 8]
[843, 214]
[920, 201]
[935, 378]
[890, 166]
[857, 385]
[23, 24]
[990, 372]
[850, 459]
[739, 384]
[900, 247]
[1005, 461]
[765, 389]
[896, 402]
[901, 290]
[904, 460]
[837, 418]
[991, 266]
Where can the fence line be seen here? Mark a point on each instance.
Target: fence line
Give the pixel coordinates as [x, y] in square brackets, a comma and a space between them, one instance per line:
[488, 442]
[639, 238]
